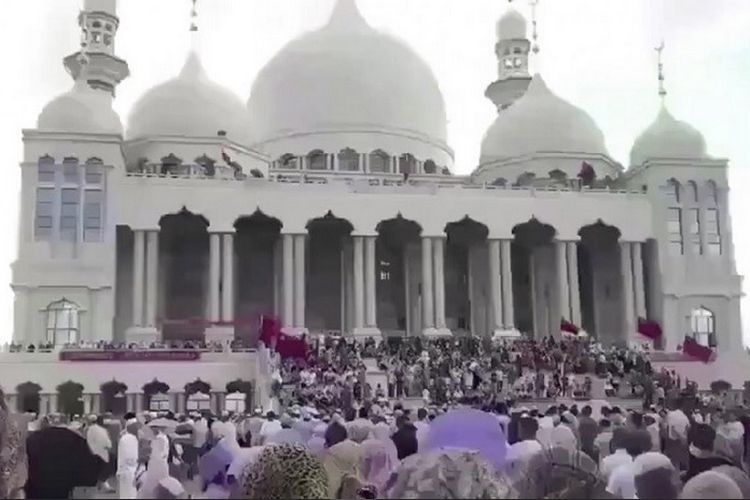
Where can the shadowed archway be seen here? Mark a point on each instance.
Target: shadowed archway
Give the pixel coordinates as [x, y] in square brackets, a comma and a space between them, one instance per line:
[601, 282]
[466, 284]
[397, 275]
[183, 280]
[533, 268]
[329, 238]
[256, 244]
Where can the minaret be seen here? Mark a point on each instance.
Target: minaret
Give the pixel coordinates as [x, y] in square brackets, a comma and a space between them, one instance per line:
[96, 62]
[512, 49]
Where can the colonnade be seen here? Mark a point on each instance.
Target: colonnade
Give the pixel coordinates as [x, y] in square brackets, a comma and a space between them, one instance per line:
[292, 296]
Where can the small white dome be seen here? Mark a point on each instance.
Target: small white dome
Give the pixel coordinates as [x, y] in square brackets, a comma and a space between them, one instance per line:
[81, 110]
[668, 137]
[189, 105]
[540, 122]
[511, 26]
[347, 76]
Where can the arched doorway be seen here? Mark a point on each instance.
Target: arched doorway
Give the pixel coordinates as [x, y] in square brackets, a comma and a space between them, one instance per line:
[328, 247]
[397, 276]
[156, 396]
[256, 240]
[29, 399]
[114, 397]
[466, 284]
[533, 263]
[183, 254]
[601, 282]
[70, 398]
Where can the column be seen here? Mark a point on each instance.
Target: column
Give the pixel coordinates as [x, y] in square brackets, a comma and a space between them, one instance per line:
[288, 280]
[370, 283]
[359, 286]
[227, 280]
[507, 278]
[96, 404]
[407, 290]
[428, 296]
[563, 284]
[139, 401]
[366, 162]
[87, 404]
[575, 291]
[299, 280]
[139, 269]
[496, 285]
[438, 252]
[130, 402]
[640, 292]
[152, 277]
[45, 406]
[214, 276]
[626, 271]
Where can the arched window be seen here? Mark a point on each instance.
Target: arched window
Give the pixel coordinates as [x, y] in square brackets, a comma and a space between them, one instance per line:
[348, 160]
[62, 322]
[430, 167]
[674, 218]
[703, 326]
[288, 161]
[407, 164]
[380, 162]
[692, 189]
[713, 220]
[317, 160]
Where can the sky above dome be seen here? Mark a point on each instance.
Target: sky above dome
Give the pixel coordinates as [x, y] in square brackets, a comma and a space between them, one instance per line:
[597, 55]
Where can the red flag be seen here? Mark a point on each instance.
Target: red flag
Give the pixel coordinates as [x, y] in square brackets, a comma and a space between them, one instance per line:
[291, 347]
[695, 350]
[648, 328]
[568, 327]
[270, 331]
[587, 174]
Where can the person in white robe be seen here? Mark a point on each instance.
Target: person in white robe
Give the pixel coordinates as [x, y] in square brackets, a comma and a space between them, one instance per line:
[127, 460]
[158, 467]
[100, 445]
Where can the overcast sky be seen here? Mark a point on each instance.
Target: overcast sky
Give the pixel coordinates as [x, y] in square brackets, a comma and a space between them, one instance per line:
[597, 54]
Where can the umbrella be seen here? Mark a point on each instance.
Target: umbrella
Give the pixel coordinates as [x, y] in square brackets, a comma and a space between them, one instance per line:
[472, 430]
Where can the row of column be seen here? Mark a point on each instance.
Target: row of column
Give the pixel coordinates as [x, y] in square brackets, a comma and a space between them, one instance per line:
[634, 294]
[145, 278]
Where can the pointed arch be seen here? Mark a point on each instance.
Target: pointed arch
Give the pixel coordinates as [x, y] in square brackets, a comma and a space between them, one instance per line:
[288, 161]
[380, 162]
[692, 191]
[317, 160]
[599, 235]
[348, 160]
[466, 231]
[703, 326]
[534, 233]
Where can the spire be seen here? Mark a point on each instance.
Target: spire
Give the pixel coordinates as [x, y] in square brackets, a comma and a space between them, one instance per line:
[194, 17]
[534, 34]
[346, 14]
[662, 89]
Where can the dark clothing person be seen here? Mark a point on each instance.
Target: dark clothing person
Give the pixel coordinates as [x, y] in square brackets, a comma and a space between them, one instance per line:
[588, 429]
[59, 461]
[405, 440]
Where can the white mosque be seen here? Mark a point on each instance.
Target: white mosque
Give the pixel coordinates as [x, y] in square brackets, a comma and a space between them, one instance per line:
[330, 201]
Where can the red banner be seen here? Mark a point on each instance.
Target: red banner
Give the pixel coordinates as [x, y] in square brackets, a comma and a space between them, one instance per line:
[154, 355]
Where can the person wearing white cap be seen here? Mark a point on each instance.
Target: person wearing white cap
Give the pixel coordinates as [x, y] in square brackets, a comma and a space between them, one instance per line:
[169, 488]
[100, 445]
[127, 460]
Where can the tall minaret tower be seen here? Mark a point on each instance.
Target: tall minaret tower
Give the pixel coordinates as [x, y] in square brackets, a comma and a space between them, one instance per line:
[96, 62]
[512, 49]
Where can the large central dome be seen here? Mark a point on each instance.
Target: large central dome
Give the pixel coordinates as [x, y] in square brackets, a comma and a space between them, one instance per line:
[347, 78]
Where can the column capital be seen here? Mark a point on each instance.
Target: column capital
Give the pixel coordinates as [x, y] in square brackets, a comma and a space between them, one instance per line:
[293, 232]
[364, 234]
[221, 232]
[576, 239]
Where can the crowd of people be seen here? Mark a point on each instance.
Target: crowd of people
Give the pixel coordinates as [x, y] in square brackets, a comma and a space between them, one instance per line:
[680, 449]
[102, 345]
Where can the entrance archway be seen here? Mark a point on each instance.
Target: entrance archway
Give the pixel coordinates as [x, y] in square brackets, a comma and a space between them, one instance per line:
[183, 254]
[533, 265]
[255, 242]
[328, 258]
[601, 282]
[466, 284]
[397, 276]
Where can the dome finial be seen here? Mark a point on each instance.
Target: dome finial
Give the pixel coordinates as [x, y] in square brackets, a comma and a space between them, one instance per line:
[194, 17]
[662, 89]
[345, 14]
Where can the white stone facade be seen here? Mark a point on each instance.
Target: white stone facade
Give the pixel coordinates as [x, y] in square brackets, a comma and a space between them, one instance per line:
[360, 228]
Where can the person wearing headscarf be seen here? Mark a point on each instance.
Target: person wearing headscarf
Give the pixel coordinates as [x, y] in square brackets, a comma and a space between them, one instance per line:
[13, 464]
[563, 436]
[317, 443]
[560, 473]
[448, 474]
[710, 485]
[378, 463]
[737, 475]
[59, 461]
[359, 429]
[341, 460]
[127, 460]
[286, 471]
[655, 477]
